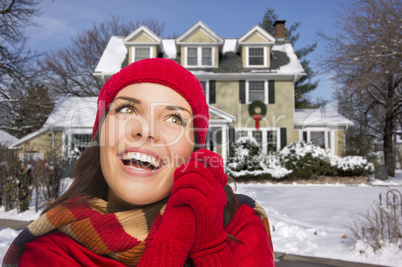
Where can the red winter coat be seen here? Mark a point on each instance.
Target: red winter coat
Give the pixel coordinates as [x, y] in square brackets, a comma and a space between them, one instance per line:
[252, 247]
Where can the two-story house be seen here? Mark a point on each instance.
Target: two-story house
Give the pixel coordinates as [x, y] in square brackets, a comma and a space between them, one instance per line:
[243, 77]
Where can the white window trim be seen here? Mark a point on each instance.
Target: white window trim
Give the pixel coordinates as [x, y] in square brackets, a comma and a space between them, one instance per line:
[326, 130]
[264, 136]
[206, 89]
[133, 52]
[199, 57]
[67, 137]
[265, 91]
[265, 57]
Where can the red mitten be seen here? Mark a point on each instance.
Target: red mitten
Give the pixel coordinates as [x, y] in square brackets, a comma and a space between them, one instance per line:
[172, 240]
[199, 184]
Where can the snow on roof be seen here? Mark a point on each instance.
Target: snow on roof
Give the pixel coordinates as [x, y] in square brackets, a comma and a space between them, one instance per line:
[323, 117]
[113, 57]
[73, 112]
[294, 66]
[229, 45]
[6, 138]
[169, 47]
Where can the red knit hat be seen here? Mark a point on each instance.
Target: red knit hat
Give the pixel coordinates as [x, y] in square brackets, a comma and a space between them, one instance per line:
[163, 71]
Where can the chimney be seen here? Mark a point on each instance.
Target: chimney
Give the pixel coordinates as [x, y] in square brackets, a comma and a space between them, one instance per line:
[280, 30]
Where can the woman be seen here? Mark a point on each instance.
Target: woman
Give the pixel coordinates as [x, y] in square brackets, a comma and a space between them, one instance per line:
[145, 193]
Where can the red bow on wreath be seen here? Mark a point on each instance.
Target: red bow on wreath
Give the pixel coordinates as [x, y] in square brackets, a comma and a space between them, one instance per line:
[257, 110]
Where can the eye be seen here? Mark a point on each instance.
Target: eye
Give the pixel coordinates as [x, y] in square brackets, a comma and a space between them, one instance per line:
[177, 119]
[127, 110]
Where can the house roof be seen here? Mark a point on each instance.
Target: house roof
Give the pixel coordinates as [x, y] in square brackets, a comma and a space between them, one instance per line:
[283, 57]
[113, 57]
[73, 112]
[321, 117]
[6, 138]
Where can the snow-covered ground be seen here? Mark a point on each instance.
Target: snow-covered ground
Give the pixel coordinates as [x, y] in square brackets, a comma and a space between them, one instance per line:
[305, 219]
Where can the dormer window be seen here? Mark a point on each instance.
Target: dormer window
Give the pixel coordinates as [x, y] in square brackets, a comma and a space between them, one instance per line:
[256, 57]
[141, 53]
[199, 56]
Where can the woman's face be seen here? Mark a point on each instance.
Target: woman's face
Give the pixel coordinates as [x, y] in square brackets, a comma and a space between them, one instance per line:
[146, 135]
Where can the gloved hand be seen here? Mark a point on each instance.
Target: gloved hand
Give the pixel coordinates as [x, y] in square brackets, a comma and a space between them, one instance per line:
[199, 184]
[171, 242]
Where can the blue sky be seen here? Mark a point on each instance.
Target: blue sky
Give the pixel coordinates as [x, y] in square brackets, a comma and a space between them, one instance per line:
[61, 20]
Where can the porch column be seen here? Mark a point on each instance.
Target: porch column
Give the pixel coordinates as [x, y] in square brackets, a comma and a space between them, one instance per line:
[225, 144]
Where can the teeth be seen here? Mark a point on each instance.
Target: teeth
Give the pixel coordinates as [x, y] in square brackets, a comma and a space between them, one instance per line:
[142, 157]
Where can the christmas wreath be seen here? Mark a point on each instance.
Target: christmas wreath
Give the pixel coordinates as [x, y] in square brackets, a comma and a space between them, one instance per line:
[257, 107]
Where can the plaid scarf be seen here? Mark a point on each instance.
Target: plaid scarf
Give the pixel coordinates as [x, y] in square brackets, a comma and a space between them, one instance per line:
[96, 225]
[105, 229]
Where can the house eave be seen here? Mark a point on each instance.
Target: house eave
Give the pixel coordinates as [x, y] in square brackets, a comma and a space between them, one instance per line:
[249, 75]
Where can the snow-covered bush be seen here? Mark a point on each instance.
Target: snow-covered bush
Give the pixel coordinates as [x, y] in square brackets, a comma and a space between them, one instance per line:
[298, 160]
[246, 162]
[307, 159]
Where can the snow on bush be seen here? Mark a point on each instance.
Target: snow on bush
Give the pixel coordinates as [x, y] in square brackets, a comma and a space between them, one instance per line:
[300, 160]
[247, 162]
[306, 159]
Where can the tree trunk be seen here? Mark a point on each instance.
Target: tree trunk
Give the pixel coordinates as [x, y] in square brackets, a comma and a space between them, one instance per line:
[389, 156]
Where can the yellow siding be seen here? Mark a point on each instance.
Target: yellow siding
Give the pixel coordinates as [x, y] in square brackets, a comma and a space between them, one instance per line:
[43, 144]
[244, 55]
[279, 115]
[255, 38]
[154, 51]
[268, 55]
[216, 56]
[340, 143]
[296, 137]
[141, 38]
[199, 36]
[182, 55]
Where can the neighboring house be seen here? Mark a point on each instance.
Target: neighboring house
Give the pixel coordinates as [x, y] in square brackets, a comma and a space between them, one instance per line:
[66, 132]
[234, 73]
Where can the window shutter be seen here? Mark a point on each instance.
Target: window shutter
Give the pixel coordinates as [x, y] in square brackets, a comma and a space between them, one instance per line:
[212, 92]
[283, 137]
[242, 92]
[271, 92]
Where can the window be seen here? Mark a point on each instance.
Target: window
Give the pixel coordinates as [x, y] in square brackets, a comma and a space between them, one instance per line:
[80, 142]
[192, 56]
[207, 56]
[141, 53]
[318, 138]
[258, 137]
[272, 141]
[200, 56]
[256, 56]
[204, 85]
[256, 91]
[267, 138]
[242, 134]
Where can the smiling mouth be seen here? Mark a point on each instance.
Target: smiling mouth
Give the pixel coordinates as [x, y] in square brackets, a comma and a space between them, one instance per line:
[140, 161]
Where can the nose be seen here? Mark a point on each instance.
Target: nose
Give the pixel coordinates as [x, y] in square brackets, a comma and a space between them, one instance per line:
[143, 129]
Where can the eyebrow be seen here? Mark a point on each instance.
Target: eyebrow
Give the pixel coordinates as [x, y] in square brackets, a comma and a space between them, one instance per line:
[137, 101]
[177, 108]
[133, 100]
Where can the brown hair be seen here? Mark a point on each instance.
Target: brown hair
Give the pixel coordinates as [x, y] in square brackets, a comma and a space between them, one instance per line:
[89, 181]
